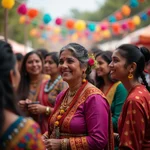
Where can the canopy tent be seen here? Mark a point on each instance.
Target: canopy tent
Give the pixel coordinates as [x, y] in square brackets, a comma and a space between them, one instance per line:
[139, 37]
[143, 38]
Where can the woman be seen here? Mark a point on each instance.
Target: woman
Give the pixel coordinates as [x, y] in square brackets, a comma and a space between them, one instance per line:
[49, 90]
[16, 132]
[127, 65]
[114, 90]
[31, 79]
[80, 119]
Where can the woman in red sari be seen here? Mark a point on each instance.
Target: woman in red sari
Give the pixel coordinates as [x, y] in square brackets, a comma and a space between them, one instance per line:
[49, 89]
[29, 86]
[127, 65]
[81, 117]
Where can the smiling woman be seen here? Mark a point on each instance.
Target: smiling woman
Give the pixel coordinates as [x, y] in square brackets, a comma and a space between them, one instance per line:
[128, 62]
[81, 116]
[31, 78]
[50, 88]
[114, 90]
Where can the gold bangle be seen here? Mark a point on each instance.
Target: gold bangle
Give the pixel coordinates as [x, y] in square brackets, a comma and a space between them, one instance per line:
[64, 144]
[47, 111]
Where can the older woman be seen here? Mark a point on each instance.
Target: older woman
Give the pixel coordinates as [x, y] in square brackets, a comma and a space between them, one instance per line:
[80, 119]
[16, 132]
[128, 62]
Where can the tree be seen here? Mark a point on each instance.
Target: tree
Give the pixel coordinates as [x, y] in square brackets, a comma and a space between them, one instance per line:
[108, 8]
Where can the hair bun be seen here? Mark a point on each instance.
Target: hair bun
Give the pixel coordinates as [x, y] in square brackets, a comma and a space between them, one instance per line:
[146, 53]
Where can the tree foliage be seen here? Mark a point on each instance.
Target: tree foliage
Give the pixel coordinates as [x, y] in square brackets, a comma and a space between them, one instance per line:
[108, 8]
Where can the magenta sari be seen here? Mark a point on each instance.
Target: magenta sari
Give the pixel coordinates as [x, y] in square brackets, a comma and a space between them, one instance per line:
[86, 125]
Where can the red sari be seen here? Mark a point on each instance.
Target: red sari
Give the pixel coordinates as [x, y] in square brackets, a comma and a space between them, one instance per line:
[134, 121]
[48, 99]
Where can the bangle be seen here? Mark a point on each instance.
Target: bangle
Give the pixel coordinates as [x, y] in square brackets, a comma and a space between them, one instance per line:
[47, 111]
[64, 144]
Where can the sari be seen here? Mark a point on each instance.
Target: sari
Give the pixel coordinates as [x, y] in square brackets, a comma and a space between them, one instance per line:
[134, 121]
[24, 134]
[87, 121]
[116, 96]
[48, 99]
[33, 94]
[34, 90]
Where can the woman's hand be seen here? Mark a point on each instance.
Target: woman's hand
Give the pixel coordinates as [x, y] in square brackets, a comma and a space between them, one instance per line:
[116, 139]
[36, 108]
[22, 104]
[45, 136]
[52, 144]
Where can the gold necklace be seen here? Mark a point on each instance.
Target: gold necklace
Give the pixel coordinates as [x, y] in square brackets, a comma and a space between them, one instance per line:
[71, 94]
[35, 83]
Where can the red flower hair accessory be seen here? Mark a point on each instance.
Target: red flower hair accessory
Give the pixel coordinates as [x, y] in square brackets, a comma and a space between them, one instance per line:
[92, 61]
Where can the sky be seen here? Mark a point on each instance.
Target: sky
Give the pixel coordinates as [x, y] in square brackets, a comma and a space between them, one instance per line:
[59, 8]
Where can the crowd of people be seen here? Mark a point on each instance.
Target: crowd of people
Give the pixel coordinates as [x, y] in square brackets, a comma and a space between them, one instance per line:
[72, 101]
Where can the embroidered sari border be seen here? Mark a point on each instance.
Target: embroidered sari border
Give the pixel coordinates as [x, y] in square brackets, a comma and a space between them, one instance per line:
[21, 133]
[88, 92]
[78, 143]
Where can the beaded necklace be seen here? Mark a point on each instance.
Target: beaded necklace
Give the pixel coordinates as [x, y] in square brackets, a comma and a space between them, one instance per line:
[65, 108]
[48, 88]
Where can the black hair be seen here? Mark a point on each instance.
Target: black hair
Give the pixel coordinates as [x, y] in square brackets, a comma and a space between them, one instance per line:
[19, 56]
[138, 55]
[54, 56]
[23, 90]
[43, 52]
[95, 50]
[81, 53]
[107, 56]
[7, 95]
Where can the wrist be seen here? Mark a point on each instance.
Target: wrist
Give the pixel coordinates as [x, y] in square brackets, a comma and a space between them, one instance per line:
[64, 144]
[47, 110]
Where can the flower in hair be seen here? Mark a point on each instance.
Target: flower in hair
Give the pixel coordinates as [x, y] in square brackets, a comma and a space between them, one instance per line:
[92, 61]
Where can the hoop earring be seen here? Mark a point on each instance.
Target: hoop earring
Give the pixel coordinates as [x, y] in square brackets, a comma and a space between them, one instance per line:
[83, 77]
[130, 76]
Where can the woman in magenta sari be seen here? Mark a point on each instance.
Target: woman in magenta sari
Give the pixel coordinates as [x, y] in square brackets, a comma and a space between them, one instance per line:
[127, 65]
[81, 117]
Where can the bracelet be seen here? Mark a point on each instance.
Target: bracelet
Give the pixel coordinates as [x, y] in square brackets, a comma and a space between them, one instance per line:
[47, 111]
[64, 144]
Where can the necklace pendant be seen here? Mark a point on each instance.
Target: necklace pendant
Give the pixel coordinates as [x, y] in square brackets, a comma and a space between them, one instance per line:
[57, 132]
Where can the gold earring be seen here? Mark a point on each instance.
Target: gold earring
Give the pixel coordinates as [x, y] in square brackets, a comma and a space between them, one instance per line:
[83, 77]
[130, 76]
